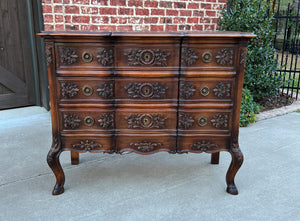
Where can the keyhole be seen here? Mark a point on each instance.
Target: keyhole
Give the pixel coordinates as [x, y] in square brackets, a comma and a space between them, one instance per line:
[146, 91]
[146, 121]
[147, 57]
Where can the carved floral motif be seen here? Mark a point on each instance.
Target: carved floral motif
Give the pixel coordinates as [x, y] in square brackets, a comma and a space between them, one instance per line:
[106, 120]
[186, 90]
[146, 90]
[220, 121]
[189, 56]
[106, 90]
[69, 89]
[225, 56]
[68, 56]
[145, 146]
[185, 121]
[203, 146]
[48, 54]
[156, 121]
[71, 121]
[222, 90]
[147, 57]
[105, 57]
[243, 56]
[87, 145]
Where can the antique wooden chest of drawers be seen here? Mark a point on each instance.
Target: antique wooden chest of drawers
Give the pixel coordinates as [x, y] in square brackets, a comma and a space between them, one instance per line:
[145, 93]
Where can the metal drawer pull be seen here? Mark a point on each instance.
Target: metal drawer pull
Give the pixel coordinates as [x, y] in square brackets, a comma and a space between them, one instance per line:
[202, 121]
[87, 57]
[204, 90]
[87, 90]
[89, 121]
[206, 57]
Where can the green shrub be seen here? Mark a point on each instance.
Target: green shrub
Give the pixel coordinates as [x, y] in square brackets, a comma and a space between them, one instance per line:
[260, 72]
[248, 109]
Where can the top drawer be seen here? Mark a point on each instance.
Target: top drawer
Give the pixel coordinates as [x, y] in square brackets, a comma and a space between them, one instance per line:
[83, 56]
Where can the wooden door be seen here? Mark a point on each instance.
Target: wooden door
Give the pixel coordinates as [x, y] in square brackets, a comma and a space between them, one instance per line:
[16, 64]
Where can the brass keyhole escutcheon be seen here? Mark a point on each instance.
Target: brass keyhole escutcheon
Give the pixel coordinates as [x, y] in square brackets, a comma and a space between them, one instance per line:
[202, 121]
[146, 121]
[87, 57]
[146, 90]
[206, 57]
[204, 90]
[147, 57]
[89, 121]
[87, 90]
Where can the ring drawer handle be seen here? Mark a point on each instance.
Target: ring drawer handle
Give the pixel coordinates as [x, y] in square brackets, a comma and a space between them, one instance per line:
[89, 121]
[204, 90]
[206, 57]
[202, 121]
[87, 57]
[87, 90]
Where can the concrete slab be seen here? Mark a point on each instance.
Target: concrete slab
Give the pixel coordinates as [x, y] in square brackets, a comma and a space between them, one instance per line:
[156, 187]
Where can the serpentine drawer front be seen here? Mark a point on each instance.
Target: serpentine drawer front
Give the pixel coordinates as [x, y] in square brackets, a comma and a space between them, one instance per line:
[145, 93]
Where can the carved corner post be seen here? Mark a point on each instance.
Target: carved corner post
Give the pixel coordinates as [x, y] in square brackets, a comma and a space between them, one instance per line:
[56, 148]
[235, 151]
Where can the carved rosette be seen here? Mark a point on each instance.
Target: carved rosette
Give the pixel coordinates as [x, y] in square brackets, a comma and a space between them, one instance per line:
[243, 56]
[151, 121]
[147, 57]
[71, 121]
[203, 146]
[69, 89]
[105, 57]
[220, 121]
[87, 145]
[68, 56]
[189, 56]
[48, 52]
[222, 90]
[106, 90]
[146, 90]
[145, 146]
[225, 56]
[186, 90]
[106, 121]
[185, 121]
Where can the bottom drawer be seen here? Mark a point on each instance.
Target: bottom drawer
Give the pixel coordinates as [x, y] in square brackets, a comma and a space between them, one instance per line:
[202, 143]
[83, 143]
[146, 144]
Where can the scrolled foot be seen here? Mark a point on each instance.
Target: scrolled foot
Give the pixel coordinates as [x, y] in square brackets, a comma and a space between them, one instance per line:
[57, 190]
[232, 190]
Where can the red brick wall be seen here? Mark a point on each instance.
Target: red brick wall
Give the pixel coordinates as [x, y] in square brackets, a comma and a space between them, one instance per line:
[131, 15]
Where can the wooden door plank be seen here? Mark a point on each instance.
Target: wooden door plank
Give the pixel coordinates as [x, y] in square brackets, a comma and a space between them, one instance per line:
[11, 81]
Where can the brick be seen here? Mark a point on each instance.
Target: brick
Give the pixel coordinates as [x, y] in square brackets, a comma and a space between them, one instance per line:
[48, 18]
[193, 5]
[83, 2]
[89, 27]
[210, 13]
[46, 1]
[171, 27]
[89, 10]
[150, 20]
[57, 1]
[48, 27]
[59, 27]
[135, 3]
[99, 2]
[118, 2]
[116, 20]
[108, 11]
[72, 27]
[185, 13]
[135, 20]
[179, 5]
[193, 20]
[179, 20]
[108, 28]
[184, 27]
[66, 1]
[58, 9]
[156, 28]
[197, 27]
[204, 20]
[209, 27]
[151, 4]
[171, 12]
[206, 6]
[124, 28]
[59, 18]
[198, 13]
[125, 11]
[157, 12]
[100, 19]
[165, 20]
[224, 1]
[141, 11]
[141, 28]
[47, 9]
[81, 19]
[67, 18]
[165, 4]
[71, 9]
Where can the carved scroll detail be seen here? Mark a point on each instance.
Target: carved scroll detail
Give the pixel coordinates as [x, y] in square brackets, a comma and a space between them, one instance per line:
[71, 121]
[203, 146]
[189, 56]
[220, 121]
[186, 90]
[87, 145]
[105, 57]
[185, 121]
[225, 56]
[69, 89]
[146, 90]
[48, 52]
[147, 57]
[106, 121]
[152, 121]
[243, 56]
[68, 56]
[106, 90]
[145, 146]
[222, 90]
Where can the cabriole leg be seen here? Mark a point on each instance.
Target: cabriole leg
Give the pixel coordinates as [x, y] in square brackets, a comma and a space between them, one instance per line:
[215, 158]
[236, 163]
[74, 158]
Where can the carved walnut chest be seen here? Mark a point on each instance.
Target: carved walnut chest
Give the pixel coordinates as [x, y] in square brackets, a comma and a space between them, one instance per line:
[145, 93]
